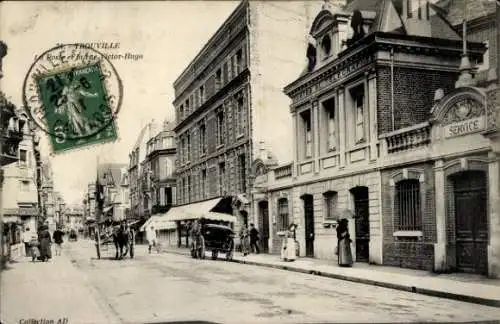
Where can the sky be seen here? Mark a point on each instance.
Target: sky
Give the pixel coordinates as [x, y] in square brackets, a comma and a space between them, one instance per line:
[163, 38]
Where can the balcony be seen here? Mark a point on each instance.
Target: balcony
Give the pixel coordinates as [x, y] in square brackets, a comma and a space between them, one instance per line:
[283, 171]
[408, 138]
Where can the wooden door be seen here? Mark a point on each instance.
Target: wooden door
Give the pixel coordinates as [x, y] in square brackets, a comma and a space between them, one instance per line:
[309, 224]
[264, 235]
[361, 214]
[471, 222]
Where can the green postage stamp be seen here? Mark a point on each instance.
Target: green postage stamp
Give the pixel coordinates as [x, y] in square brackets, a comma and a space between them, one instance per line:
[76, 101]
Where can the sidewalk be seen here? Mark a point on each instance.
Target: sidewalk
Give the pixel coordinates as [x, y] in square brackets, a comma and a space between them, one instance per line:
[463, 287]
[52, 291]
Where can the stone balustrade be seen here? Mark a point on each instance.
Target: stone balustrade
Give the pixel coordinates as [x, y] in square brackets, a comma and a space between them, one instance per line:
[408, 138]
[283, 171]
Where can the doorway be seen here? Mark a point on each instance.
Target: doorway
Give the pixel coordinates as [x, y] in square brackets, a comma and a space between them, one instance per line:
[471, 221]
[362, 223]
[264, 226]
[309, 224]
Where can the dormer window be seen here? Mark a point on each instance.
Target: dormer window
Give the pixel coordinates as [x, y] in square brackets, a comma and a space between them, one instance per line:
[326, 46]
[417, 9]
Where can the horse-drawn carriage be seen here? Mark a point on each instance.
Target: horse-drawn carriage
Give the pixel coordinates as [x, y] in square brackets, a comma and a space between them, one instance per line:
[117, 236]
[216, 238]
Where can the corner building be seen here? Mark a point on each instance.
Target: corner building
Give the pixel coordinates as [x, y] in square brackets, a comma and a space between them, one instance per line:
[393, 131]
[230, 105]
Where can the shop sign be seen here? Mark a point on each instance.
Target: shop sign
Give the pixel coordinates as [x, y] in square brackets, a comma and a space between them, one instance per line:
[464, 127]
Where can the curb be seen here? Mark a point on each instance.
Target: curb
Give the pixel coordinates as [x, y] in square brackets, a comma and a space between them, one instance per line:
[407, 288]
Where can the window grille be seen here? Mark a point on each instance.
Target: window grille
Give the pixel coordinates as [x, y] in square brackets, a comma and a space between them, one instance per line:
[283, 221]
[408, 205]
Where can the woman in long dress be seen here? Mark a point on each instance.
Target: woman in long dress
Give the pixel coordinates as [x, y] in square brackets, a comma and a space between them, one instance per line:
[245, 241]
[344, 244]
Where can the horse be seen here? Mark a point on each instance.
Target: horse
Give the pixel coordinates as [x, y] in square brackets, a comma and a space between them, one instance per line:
[121, 240]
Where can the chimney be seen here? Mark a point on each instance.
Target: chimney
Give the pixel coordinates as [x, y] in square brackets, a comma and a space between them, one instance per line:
[465, 79]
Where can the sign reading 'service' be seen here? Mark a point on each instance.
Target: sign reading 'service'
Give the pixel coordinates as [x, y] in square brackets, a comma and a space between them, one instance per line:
[464, 127]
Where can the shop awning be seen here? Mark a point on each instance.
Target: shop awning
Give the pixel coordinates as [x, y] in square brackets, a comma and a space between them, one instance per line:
[199, 210]
[159, 222]
[242, 199]
[10, 219]
[107, 209]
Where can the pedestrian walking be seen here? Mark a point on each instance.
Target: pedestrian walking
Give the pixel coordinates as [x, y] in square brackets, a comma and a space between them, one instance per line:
[254, 239]
[26, 240]
[344, 244]
[245, 241]
[152, 240]
[58, 240]
[45, 243]
[34, 248]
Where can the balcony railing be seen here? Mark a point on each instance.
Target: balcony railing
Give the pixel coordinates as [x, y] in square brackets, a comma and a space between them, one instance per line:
[408, 138]
[283, 171]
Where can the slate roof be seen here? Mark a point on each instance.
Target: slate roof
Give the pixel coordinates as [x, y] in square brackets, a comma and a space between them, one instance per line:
[454, 9]
[388, 17]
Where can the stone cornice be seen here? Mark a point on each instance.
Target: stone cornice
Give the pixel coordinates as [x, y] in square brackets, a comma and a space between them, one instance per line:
[229, 29]
[303, 87]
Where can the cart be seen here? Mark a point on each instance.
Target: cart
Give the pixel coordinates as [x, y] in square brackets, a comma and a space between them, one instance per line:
[217, 239]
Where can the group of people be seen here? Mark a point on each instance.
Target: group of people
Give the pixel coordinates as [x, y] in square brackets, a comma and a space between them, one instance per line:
[249, 240]
[39, 246]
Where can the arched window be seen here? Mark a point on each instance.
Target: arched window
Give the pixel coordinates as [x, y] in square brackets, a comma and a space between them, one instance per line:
[282, 214]
[408, 205]
[331, 200]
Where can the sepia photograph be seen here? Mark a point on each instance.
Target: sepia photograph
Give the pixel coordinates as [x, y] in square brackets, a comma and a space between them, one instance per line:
[249, 161]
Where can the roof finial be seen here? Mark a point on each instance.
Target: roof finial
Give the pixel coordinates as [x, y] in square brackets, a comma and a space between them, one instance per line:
[326, 4]
[465, 79]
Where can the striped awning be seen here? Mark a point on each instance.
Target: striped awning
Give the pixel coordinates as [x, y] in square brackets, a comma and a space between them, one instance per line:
[159, 222]
[10, 219]
[21, 211]
[199, 210]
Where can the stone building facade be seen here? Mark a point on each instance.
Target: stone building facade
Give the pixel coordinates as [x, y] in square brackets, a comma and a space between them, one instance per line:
[139, 200]
[392, 132]
[161, 181]
[229, 100]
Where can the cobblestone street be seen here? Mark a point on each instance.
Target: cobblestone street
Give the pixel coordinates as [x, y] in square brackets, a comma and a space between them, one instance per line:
[169, 287]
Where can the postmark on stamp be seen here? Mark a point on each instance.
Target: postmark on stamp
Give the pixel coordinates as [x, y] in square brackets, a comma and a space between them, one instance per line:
[73, 93]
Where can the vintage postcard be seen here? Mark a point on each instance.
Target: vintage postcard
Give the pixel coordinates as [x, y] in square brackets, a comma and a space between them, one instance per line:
[249, 161]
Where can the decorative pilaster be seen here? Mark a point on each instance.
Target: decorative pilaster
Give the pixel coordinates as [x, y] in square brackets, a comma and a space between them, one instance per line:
[494, 212]
[342, 123]
[315, 129]
[372, 115]
[296, 139]
[440, 263]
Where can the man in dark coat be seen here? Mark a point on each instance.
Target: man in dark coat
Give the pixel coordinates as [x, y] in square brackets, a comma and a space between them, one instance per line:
[45, 243]
[254, 238]
[58, 239]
